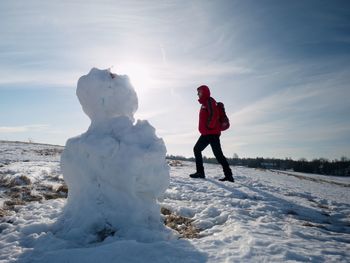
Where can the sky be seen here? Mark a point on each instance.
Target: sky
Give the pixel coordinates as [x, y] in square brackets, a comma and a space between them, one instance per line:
[282, 69]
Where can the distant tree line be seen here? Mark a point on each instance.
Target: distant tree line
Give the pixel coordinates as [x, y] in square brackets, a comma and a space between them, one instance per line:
[318, 166]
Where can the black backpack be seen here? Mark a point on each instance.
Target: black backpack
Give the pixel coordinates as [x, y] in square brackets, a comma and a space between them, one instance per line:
[223, 119]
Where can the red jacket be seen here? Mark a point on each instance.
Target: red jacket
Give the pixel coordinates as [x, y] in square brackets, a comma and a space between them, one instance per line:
[208, 114]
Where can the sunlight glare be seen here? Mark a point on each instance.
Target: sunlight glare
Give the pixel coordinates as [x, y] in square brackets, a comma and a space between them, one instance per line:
[138, 74]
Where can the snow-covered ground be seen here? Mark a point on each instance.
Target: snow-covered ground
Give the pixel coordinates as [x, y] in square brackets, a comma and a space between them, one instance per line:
[344, 180]
[264, 216]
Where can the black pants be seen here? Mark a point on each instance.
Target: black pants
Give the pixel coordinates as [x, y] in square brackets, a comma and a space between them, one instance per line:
[214, 141]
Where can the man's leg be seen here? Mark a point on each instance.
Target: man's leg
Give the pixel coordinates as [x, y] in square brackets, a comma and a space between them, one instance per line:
[216, 147]
[201, 144]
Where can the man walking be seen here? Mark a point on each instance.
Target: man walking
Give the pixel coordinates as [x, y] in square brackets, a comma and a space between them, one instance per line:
[209, 128]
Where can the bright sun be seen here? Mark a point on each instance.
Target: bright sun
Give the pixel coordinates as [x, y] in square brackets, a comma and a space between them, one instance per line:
[138, 74]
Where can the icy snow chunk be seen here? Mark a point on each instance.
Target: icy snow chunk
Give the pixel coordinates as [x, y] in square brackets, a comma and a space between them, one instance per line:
[115, 171]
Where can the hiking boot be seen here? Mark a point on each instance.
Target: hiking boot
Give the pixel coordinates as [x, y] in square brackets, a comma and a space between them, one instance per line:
[197, 175]
[230, 179]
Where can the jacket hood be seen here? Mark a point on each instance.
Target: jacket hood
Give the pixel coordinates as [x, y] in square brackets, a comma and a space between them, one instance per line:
[205, 93]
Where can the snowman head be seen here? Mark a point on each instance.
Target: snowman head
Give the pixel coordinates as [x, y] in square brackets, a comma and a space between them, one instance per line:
[104, 95]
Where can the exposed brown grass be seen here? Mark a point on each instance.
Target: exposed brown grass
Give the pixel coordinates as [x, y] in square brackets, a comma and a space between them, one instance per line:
[62, 188]
[10, 204]
[309, 224]
[25, 180]
[183, 225]
[60, 192]
[175, 163]
[7, 182]
[4, 213]
[48, 152]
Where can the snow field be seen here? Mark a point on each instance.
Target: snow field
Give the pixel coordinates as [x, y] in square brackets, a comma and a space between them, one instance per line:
[262, 217]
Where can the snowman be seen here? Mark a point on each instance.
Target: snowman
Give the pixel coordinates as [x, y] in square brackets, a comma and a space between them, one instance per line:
[116, 171]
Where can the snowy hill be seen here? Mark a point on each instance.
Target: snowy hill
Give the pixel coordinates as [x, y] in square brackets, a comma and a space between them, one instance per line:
[264, 216]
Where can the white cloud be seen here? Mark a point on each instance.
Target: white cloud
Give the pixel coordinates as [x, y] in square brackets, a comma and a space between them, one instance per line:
[24, 128]
[37, 78]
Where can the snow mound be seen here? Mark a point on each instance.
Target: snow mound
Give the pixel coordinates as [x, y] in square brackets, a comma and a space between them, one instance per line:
[115, 171]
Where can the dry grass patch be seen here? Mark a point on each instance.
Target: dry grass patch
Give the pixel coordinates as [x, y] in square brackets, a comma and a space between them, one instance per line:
[24, 180]
[48, 152]
[10, 204]
[4, 213]
[13, 182]
[309, 224]
[183, 225]
[62, 188]
[175, 163]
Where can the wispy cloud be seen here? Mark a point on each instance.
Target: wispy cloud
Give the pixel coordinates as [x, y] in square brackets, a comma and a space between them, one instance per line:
[36, 78]
[24, 128]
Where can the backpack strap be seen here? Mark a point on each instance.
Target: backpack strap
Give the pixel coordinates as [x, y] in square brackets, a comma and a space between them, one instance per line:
[210, 123]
